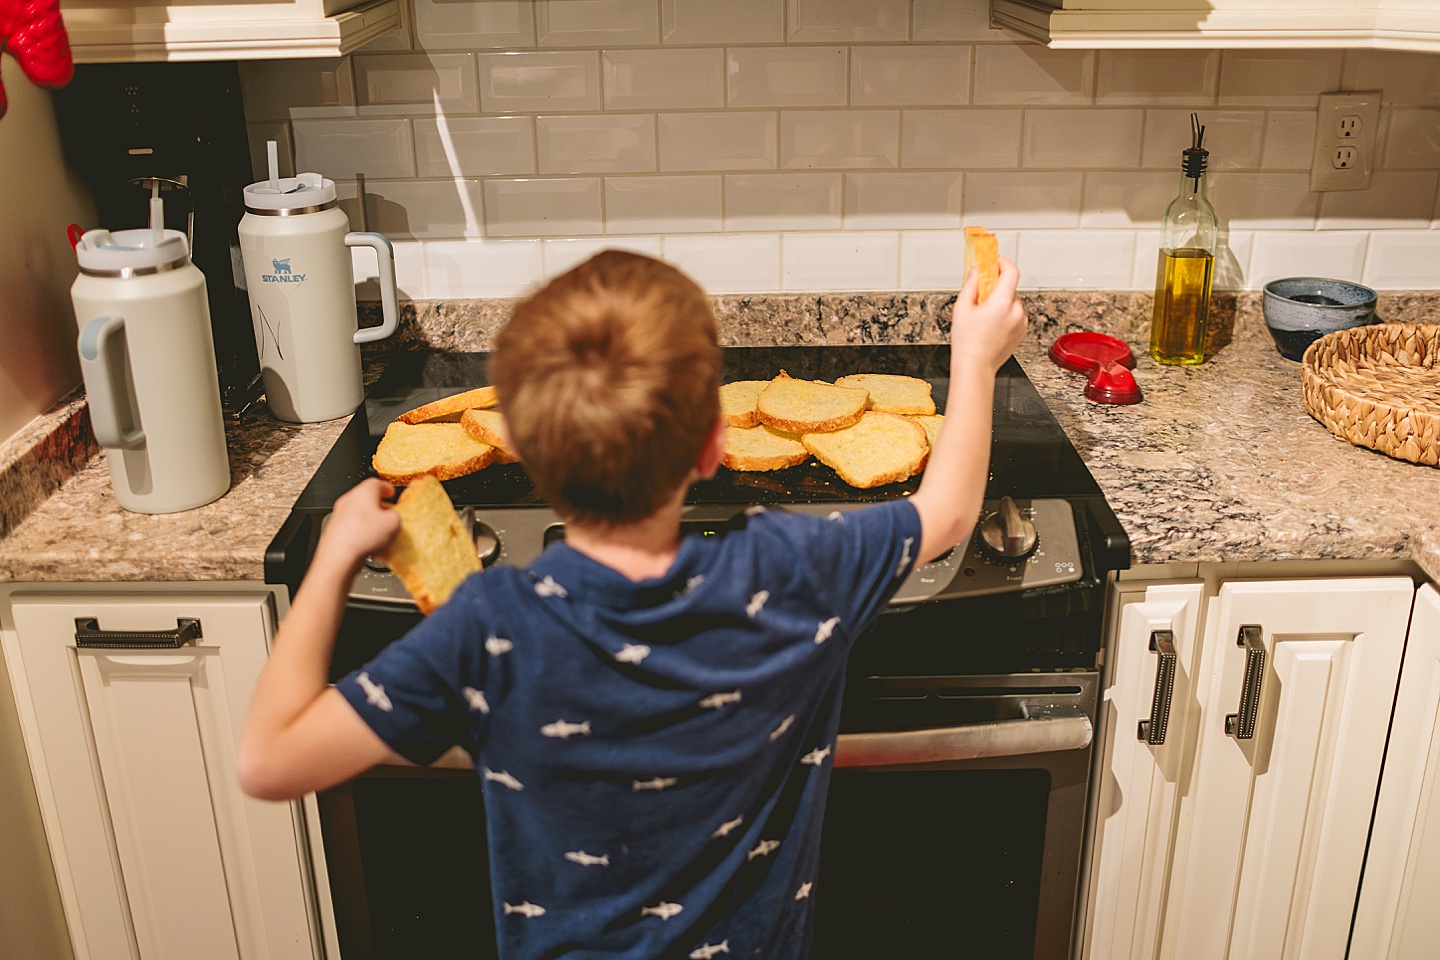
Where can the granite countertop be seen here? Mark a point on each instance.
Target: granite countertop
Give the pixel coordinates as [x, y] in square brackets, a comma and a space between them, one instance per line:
[1220, 463]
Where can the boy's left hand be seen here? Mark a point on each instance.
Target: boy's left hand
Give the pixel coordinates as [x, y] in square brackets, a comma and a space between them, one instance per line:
[362, 522]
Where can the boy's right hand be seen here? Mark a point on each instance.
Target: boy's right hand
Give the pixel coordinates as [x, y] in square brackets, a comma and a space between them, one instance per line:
[987, 333]
[362, 523]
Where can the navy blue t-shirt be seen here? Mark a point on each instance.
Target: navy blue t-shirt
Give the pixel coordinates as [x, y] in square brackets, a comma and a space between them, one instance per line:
[655, 754]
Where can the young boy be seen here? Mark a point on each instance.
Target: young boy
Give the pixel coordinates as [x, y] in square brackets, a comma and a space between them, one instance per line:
[654, 718]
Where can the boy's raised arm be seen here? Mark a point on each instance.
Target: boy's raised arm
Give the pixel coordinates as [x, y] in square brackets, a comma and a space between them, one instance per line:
[982, 338]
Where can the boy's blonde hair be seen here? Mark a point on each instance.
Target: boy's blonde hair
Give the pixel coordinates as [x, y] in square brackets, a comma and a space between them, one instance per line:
[609, 378]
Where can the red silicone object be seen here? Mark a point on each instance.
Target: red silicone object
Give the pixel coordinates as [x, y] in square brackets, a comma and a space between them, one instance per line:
[33, 33]
[1085, 351]
[1112, 383]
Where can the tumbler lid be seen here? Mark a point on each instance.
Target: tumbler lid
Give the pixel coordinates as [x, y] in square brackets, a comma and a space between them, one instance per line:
[305, 193]
[127, 253]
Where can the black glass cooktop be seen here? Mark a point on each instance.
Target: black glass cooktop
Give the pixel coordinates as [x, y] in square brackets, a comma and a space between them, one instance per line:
[1030, 454]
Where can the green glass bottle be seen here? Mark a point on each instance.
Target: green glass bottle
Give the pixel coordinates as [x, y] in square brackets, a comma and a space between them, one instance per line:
[1187, 263]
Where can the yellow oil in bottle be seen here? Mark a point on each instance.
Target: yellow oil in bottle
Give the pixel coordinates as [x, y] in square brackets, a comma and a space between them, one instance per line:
[1182, 305]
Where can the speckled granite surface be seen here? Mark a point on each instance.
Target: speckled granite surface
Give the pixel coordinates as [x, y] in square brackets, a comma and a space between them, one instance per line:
[1220, 463]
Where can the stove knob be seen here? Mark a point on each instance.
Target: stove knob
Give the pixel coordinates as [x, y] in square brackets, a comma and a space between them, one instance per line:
[1007, 533]
[487, 544]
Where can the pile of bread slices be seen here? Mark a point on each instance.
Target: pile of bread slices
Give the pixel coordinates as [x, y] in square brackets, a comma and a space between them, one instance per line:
[446, 439]
[870, 428]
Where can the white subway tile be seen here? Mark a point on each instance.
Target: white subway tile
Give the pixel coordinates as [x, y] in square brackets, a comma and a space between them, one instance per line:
[786, 76]
[1023, 200]
[258, 134]
[663, 79]
[935, 259]
[1147, 260]
[596, 143]
[840, 261]
[1233, 137]
[1077, 259]
[1126, 199]
[733, 140]
[1413, 142]
[860, 21]
[474, 146]
[424, 209]
[339, 149]
[728, 264]
[562, 255]
[1081, 139]
[411, 83]
[1403, 261]
[839, 138]
[964, 139]
[909, 76]
[543, 208]
[1396, 200]
[735, 21]
[1154, 77]
[480, 24]
[949, 20]
[1264, 201]
[483, 268]
[1408, 79]
[409, 271]
[591, 23]
[1289, 140]
[1233, 252]
[1277, 78]
[297, 89]
[1339, 255]
[903, 201]
[1032, 74]
[663, 204]
[782, 201]
[516, 82]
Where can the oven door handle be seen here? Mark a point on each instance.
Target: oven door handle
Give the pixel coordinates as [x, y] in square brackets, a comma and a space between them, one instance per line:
[1049, 733]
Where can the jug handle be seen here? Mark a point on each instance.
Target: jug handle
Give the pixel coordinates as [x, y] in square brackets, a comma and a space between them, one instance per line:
[389, 306]
[99, 344]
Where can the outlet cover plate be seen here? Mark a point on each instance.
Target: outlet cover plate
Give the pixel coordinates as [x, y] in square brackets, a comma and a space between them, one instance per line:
[1348, 124]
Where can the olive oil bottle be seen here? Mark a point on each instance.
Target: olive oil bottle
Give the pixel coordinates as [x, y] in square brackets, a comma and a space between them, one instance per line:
[1187, 263]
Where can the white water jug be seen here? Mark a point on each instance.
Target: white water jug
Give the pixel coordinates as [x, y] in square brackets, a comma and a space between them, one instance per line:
[148, 359]
[295, 240]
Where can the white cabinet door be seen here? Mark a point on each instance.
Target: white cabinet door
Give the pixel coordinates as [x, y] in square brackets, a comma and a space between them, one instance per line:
[1285, 810]
[1141, 770]
[1396, 917]
[167, 859]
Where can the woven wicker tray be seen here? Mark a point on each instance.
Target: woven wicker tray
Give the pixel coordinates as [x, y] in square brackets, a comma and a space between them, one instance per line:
[1379, 387]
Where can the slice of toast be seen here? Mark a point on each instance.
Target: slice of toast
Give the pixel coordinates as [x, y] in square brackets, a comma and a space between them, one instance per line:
[882, 448]
[808, 406]
[409, 451]
[478, 399]
[889, 393]
[982, 254]
[484, 425]
[433, 552]
[737, 401]
[931, 426]
[753, 449]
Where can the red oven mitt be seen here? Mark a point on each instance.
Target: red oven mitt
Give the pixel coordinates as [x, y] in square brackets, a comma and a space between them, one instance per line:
[31, 31]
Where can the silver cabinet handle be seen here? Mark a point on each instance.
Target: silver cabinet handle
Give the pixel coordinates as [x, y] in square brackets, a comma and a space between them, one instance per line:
[89, 634]
[1152, 731]
[1241, 725]
[1003, 738]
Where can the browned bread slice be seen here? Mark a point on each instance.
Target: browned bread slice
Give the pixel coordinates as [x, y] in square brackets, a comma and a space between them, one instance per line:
[484, 425]
[477, 399]
[409, 451]
[751, 449]
[982, 253]
[882, 448]
[433, 552]
[931, 426]
[893, 394]
[808, 406]
[737, 401]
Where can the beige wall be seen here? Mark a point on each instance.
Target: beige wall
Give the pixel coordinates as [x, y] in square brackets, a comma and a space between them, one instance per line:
[38, 198]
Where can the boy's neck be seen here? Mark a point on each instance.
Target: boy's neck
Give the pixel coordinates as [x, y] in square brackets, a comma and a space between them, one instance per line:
[641, 550]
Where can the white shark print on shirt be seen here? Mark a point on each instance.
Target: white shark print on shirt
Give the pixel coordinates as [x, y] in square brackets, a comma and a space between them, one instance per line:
[588, 859]
[817, 756]
[763, 849]
[752, 511]
[657, 783]
[710, 950]
[632, 653]
[374, 693]
[664, 910]
[835, 515]
[904, 557]
[826, 627]
[564, 729]
[525, 908]
[756, 604]
[496, 646]
[804, 890]
[717, 700]
[504, 779]
[549, 588]
[694, 582]
[779, 731]
[725, 829]
[475, 699]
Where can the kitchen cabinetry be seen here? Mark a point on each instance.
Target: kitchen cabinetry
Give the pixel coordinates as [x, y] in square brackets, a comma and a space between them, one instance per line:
[131, 703]
[1243, 834]
[1380, 24]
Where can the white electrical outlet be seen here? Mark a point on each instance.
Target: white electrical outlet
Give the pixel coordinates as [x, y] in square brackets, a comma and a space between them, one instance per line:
[1346, 136]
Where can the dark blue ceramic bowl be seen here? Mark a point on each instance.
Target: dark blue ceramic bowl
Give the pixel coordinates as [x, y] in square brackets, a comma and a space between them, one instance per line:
[1300, 310]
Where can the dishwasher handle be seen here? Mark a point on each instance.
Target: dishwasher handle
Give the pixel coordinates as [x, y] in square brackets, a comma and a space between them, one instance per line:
[1050, 733]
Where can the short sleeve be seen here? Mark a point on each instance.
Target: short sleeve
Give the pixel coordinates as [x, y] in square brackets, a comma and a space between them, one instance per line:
[424, 693]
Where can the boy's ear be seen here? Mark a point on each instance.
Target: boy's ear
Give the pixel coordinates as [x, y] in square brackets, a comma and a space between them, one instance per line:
[713, 452]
